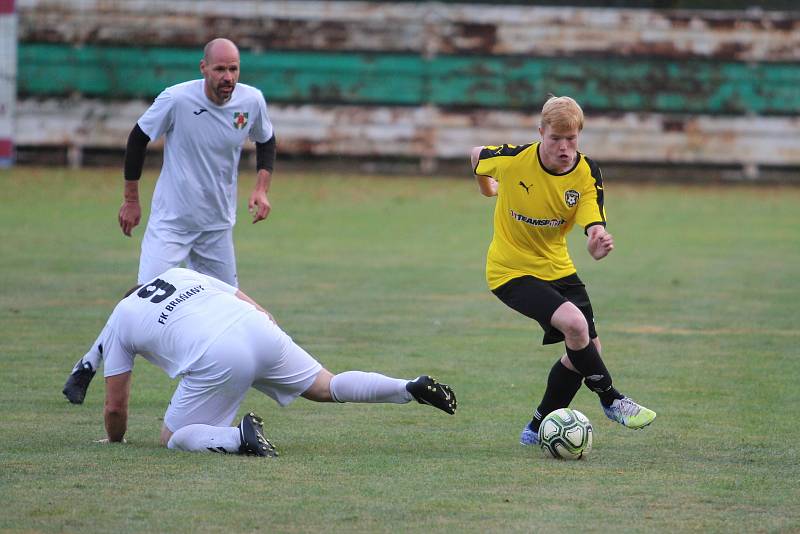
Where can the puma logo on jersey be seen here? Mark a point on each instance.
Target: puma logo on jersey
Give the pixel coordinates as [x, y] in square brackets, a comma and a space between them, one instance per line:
[526, 187]
[199, 111]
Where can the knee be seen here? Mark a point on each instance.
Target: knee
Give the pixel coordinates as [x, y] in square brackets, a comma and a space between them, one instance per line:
[574, 326]
[320, 390]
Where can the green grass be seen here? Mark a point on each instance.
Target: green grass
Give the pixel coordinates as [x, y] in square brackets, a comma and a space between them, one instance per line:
[696, 308]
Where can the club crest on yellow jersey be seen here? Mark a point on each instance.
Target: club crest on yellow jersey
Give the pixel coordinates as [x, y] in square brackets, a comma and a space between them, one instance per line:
[571, 197]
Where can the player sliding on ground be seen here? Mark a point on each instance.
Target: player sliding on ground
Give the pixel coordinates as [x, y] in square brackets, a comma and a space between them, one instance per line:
[542, 190]
[221, 343]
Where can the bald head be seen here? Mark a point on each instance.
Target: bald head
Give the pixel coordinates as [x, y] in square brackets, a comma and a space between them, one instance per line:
[219, 47]
[220, 68]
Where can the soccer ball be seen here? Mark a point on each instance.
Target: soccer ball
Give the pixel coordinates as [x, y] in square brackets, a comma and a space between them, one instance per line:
[566, 434]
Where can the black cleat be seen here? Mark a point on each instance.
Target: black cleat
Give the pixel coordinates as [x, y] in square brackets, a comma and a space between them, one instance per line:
[78, 382]
[427, 390]
[253, 441]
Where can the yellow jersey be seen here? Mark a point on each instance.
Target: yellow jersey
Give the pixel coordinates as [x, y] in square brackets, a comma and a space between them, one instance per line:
[535, 210]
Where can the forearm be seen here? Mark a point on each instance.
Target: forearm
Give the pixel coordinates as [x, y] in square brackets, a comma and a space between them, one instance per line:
[258, 204]
[116, 424]
[263, 180]
[130, 192]
[487, 185]
[265, 155]
[134, 153]
[115, 411]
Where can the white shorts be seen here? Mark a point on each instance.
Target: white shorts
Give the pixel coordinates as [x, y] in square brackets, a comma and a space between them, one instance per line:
[208, 253]
[254, 352]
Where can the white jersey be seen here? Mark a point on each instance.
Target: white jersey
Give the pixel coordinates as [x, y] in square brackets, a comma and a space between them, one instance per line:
[171, 321]
[196, 190]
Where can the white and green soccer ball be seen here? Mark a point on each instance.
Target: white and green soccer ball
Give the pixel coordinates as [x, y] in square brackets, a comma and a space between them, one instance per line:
[566, 434]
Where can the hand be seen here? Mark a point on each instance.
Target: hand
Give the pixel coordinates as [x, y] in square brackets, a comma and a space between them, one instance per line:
[600, 244]
[258, 206]
[105, 441]
[130, 213]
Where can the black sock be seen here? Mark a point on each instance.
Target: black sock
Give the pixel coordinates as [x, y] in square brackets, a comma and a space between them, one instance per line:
[595, 375]
[562, 385]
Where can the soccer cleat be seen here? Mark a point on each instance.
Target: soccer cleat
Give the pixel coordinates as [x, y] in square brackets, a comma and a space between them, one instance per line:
[427, 390]
[78, 382]
[529, 436]
[626, 412]
[253, 442]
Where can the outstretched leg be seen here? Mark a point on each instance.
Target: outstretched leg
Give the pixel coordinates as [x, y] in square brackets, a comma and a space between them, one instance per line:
[360, 386]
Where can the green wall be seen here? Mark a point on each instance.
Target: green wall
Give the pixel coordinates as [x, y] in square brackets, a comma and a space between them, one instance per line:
[600, 84]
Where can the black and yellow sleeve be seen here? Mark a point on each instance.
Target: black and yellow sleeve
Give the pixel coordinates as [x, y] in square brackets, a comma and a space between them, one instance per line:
[493, 159]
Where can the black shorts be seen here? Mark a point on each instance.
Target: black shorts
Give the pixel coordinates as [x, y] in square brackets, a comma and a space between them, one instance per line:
[539, 300]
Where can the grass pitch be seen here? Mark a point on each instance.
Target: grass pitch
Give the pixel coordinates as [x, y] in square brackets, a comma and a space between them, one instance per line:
[696, 309]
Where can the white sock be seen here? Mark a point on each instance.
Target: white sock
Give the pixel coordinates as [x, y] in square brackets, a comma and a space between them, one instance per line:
[206, 438]
[358, 386]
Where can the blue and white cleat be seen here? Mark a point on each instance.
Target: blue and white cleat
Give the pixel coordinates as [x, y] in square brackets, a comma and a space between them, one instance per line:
[529, 436]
